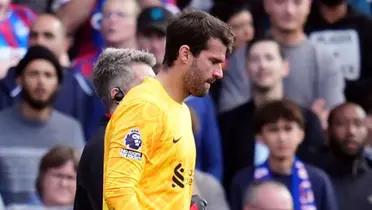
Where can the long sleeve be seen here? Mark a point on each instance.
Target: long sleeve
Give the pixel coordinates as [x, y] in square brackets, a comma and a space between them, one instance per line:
[331, 83]
[211, 140]
[130, 139]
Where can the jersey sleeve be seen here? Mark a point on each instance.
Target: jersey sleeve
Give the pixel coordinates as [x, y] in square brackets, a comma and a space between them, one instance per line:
[132, 137]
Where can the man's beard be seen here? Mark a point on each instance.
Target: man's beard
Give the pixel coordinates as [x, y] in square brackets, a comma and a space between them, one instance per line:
[38, 104]
[339, 151]
[194, 82]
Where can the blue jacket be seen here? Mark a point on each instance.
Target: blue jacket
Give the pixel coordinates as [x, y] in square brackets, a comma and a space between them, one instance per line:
[207, 138]
[76, 98]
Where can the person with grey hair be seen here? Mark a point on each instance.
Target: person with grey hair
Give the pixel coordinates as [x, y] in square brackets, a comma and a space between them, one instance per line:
[262, 195]
[113, 74]
[116, 71]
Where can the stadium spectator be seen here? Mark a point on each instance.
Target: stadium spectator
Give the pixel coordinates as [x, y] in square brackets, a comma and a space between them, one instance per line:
[267, 69]
[48, 31]
[82, 20]
[314, 81]
[280, 125]
[32, 124]
[116, 71]
[86, 24]
[346, 32]
[344, 162]
[210, 189]
[15, 21]
[151, 29]
[267, 195]
[234, 89]
[118, 29]
[56, 180]
[76, 96]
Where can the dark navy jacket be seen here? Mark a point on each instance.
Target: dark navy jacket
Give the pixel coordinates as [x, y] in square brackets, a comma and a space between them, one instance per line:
[207, 138]
[351, 178]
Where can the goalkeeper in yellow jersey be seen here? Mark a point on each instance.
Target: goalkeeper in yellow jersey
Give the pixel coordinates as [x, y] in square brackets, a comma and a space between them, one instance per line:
[149, 155]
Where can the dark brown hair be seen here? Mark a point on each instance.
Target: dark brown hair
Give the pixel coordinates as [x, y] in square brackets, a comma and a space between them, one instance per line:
[273, 111]
[55, 157]
[194, 29]
[265, 39]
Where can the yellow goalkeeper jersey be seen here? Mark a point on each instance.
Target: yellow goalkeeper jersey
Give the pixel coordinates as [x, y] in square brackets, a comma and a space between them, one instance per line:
[149, 154]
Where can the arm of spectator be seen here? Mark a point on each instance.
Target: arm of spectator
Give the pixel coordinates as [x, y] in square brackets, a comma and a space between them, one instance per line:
[212, 142]
[331, 83]
[207, 135]
[319, 108]
[74, 13]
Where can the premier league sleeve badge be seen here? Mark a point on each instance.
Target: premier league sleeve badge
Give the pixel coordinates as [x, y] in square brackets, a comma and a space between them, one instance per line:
[133, 143]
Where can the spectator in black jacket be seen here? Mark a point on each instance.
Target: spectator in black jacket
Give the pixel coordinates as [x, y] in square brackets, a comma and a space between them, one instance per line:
[115, 73]
[345, 164]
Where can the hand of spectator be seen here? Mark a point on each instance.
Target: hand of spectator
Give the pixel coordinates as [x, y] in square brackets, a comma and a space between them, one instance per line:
[320, 109]
[8, 58]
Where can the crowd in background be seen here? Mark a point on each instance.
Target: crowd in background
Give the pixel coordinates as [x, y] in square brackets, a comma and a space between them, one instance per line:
[292, 56]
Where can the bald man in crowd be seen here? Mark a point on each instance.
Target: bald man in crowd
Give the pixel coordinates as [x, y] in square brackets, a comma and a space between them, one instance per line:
[267, 195]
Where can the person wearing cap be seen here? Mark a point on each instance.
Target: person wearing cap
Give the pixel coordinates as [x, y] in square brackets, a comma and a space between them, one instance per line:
[33, 124]
[151, 30]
